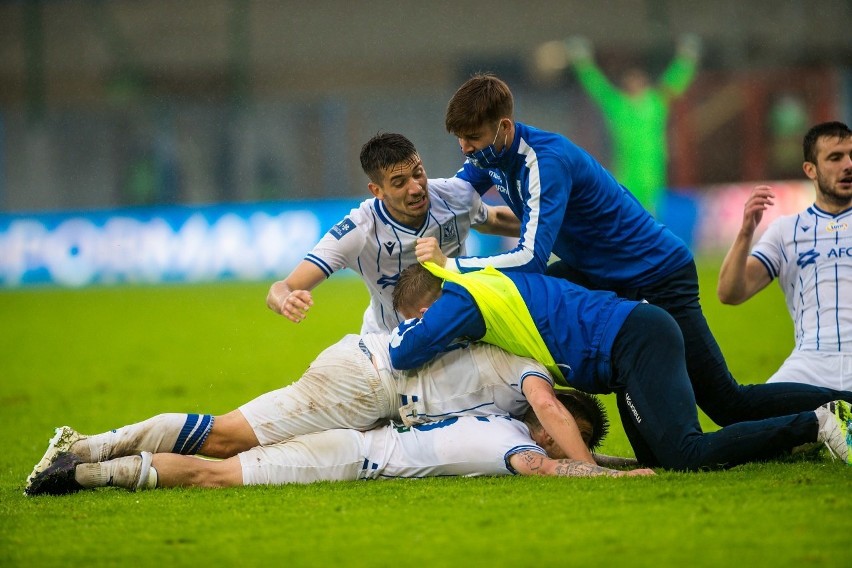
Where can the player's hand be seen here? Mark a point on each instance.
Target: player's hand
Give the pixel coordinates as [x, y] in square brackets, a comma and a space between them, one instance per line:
[295, 305]
[689, 46]
[578, 48]
[427, 249]
[635, 472]
[762, 197]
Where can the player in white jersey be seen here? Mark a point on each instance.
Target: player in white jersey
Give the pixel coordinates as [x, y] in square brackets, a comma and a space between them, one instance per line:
[811, 255]
[377, 240]
[349, 385]
[459, 446]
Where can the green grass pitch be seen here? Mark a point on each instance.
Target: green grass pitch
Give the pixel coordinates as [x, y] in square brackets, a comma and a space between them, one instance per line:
[103, 357]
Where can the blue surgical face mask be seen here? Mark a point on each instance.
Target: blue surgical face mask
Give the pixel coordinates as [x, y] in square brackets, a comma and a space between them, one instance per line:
[488, 157]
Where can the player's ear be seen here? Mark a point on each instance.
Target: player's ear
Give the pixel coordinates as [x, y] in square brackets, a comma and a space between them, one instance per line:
[810, 169]
[376, 190]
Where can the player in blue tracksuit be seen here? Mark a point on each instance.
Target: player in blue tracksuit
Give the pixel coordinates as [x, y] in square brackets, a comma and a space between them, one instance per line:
[569, 205]
[600, 343]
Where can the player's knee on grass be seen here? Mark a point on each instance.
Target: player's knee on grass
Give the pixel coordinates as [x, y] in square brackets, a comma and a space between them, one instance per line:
[230, 435]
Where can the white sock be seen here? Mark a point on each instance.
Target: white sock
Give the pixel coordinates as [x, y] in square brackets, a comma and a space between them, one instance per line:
[164, 433]
[120, 472]
[130, 472]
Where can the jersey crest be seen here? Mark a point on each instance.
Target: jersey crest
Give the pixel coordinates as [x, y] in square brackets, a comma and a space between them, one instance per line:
[448, 231]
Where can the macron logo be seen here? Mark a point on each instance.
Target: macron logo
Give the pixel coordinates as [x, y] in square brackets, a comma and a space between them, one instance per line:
[632, 409]
[805, 228]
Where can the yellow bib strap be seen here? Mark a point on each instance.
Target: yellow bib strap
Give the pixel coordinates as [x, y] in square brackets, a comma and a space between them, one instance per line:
[508, 323]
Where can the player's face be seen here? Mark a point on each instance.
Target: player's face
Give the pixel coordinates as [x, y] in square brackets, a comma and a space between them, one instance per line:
[482, 137]
[832, 173]
[403, 191]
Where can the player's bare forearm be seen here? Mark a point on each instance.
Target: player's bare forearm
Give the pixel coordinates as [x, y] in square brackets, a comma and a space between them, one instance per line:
[292, 296]
[740, 277]
[555, 419]
[614, 461]
[534, 463]
[501, 221]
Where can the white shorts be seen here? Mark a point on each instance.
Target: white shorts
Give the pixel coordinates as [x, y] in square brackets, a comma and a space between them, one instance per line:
[340, 389]
[818, 368]
[333, 455]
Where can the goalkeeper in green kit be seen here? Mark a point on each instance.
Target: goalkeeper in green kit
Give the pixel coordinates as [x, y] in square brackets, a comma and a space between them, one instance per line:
[636, 115]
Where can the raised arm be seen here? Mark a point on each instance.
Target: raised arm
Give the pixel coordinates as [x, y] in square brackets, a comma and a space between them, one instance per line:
[742, 276]
[533, 463]
[291, 297]
[555, 419]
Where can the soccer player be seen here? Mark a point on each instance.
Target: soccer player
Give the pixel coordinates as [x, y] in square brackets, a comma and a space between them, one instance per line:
[570, 206]
[637, 114]
[377, 239]
[458, 446]
[349, 385]
[596, 342]
[811, 255]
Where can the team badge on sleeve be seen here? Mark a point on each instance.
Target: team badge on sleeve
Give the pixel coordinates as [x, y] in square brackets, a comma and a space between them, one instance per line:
[339, 230]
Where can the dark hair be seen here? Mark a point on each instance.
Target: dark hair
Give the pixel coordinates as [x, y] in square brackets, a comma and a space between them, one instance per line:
[588, 411]
[415, 284]
[823, 130]
[383, 151]
[481, 99]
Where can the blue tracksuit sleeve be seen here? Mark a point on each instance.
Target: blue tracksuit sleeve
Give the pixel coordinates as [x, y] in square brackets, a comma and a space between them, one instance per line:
[538, 195]
[452, 319]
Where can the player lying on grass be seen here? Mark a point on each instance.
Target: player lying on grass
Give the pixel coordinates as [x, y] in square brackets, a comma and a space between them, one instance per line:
[596, 342]
[458, 446]
[349, 385]
[377, 239]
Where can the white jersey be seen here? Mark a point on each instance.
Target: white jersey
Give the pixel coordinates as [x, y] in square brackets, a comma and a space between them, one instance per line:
[351, 385]
[374, 245]
[811, 255]
[475, 378]
[465, 446]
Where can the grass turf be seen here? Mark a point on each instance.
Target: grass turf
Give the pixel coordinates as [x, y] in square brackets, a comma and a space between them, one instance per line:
[102, 357]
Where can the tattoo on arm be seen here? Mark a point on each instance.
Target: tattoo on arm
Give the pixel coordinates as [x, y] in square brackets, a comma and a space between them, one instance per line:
[577, 468]
[534, 463]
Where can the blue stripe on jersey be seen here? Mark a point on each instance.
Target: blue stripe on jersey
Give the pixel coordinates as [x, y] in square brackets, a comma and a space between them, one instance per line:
[455, 218]
[455, 412]
[837, 304]
[765, 262]
[482, 418]
[386, 219]
[534, 374]
[816, 293]
[320, 263]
